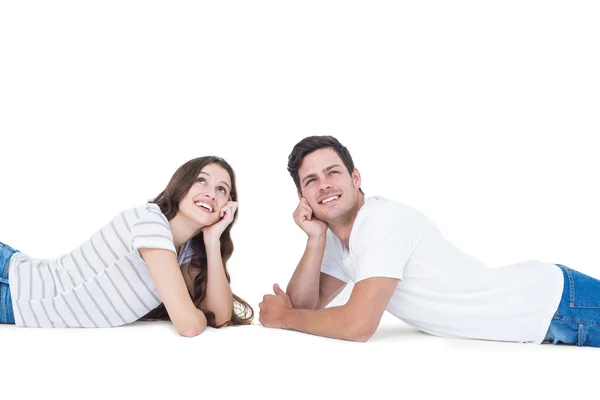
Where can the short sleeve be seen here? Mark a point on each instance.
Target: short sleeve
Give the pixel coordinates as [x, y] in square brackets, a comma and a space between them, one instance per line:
[186, 253]
[332, 258]
[382, 246]
[152, 231]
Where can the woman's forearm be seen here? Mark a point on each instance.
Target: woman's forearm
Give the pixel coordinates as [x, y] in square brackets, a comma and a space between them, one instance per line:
[219, 298]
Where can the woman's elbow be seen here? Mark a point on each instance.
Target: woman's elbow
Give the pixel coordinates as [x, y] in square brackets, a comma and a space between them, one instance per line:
[223, 319]
[191, 327]
[190, 331]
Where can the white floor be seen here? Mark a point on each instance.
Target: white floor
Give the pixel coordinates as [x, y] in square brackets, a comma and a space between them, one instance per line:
[482, 115]
[149, 360]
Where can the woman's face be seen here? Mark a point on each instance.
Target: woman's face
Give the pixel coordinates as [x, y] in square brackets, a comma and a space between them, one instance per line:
[208, 194]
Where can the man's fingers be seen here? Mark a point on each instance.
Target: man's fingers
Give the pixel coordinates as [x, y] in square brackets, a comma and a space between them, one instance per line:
[302, 206]
[304, 213]
[266, 297]
[277, 290]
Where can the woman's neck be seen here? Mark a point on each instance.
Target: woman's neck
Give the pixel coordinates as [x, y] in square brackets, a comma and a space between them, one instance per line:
[183, 229]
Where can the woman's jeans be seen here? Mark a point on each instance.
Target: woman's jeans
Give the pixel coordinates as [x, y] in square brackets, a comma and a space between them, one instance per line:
[6, 310]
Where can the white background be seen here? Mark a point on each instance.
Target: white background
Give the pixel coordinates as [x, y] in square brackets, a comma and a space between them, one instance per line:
[483, 116]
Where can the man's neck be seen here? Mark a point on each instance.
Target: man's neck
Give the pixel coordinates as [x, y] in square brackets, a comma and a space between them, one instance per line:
[343, 228]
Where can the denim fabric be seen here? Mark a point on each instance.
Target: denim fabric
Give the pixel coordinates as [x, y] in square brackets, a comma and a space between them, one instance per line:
[577, 320]
[6, 310]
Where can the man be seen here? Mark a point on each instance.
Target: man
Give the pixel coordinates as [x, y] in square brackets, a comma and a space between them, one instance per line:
[401, 263]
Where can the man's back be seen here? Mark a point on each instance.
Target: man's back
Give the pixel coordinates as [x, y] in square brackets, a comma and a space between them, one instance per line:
[443, 290]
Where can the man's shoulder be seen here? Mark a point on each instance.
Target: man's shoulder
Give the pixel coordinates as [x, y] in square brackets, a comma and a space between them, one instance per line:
[381, 207]
[380, 215]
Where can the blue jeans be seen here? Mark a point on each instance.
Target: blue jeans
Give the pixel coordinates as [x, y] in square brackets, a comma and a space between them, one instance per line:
[6, 309]
[577, 320]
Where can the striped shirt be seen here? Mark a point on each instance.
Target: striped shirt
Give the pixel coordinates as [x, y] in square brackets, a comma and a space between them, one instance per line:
[102, 283]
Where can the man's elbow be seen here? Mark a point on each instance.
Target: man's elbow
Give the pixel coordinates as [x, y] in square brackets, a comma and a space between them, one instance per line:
[361, 332]
[304, 304]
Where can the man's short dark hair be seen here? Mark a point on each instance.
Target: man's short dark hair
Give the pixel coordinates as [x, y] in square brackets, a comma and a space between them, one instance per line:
[311, 144]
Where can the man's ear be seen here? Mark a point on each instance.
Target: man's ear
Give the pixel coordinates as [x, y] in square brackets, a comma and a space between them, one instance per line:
[356, 179]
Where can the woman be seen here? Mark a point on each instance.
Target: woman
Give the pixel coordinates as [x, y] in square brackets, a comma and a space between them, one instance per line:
[163, 260]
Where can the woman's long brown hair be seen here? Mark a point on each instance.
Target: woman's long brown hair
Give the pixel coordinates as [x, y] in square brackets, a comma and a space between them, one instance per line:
[168, 201]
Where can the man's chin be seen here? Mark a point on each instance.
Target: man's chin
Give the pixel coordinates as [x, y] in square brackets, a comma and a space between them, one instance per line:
[332, 216]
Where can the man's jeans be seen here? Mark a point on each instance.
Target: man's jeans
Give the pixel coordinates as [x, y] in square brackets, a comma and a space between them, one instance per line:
[577, 320]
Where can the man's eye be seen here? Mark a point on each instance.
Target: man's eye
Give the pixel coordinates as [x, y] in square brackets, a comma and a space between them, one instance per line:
[310, 180]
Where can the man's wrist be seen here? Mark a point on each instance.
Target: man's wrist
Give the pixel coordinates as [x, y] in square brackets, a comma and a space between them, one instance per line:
[289, 319]
[316, 241]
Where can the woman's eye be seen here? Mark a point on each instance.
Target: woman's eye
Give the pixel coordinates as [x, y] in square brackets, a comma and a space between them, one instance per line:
[222, 189]
[200, 180]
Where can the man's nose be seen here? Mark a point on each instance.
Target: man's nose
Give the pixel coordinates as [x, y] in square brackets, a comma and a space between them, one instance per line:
[325, 186]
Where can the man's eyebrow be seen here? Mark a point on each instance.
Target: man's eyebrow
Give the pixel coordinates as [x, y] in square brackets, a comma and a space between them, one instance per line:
[332, 167]
[223, 182]
[308, 176]
[324, 170]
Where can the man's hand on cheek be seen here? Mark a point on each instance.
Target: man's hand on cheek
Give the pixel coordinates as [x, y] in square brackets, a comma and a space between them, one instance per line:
[304, 218]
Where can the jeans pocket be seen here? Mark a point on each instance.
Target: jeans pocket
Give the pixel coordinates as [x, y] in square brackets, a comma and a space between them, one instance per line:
[588, 335]
[584, 291]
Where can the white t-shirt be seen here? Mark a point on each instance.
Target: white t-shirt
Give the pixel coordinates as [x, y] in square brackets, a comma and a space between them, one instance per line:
[102, 283]
[444, 291]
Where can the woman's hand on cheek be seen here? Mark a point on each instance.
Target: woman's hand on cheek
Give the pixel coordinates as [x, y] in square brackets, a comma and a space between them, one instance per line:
[212, 233]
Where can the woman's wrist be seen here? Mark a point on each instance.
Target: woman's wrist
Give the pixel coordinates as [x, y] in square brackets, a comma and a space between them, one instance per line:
[212, 245]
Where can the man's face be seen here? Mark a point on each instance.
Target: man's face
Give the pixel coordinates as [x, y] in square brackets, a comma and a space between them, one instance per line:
[331, 191]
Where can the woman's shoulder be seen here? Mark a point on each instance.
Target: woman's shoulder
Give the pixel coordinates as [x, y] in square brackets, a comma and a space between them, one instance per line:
[134, 214]
[148, 207]
[150, 228]
[143, 219]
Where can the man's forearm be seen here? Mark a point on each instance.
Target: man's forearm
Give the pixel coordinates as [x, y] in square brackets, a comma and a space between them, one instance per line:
[304, 285]
[335, 322]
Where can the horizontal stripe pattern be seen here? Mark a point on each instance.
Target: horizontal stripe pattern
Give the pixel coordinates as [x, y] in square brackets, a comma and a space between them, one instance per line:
[102, 283]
